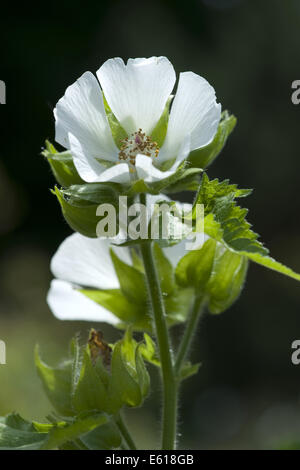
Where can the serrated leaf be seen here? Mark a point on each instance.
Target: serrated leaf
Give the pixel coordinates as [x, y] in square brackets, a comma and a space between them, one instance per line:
[270, 263]
[203, 157]
[62, 165]
[225, 222]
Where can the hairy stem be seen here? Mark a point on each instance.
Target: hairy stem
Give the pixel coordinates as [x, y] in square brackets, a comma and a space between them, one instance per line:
[169, 417]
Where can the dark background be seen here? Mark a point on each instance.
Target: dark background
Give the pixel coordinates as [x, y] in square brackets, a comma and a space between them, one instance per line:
[247, 392]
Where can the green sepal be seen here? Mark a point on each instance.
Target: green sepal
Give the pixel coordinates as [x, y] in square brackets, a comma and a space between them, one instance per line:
[130, 302]
[188, 370]
[215, 272]
[227, 280]
[165, 270]
[179, 180]
[177, 229]
[129, 384]
[81, 218]
[149, 351]
[203, 157]
[160, 130]
[132, 281]
[90, 392]
[97, 193]
[62, 165]
[114, 300]
[56, 383]
[118, 132]
[195, 268]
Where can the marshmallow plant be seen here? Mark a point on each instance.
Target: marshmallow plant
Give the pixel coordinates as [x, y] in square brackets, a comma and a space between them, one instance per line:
[124, 135]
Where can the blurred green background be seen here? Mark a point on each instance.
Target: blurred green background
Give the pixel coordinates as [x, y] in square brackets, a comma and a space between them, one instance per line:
[247, 394]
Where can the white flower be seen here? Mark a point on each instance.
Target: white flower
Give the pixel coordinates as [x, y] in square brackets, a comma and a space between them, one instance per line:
[137, 94]
[82, 262]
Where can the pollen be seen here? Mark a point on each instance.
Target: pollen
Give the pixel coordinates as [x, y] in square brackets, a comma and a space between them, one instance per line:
[136, 143]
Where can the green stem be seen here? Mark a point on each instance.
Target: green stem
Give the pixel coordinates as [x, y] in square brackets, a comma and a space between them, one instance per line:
[125, 432]
[169, 418]
[189, 332]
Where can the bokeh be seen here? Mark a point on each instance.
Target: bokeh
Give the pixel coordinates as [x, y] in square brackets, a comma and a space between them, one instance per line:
[247, 394]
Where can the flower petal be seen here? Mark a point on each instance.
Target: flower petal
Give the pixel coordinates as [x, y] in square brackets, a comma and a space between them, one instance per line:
[195, 112]
[81, 113]
[67, 303]
[87, 262]
[91, 170]
[137, 92]
[147, 171]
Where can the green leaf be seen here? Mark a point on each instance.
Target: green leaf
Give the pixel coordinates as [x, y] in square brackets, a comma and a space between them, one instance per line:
[60, 435]
[62, 165]
[203, 157]
[18, 434]
[57, 384]
[81, 218]
[160, 130]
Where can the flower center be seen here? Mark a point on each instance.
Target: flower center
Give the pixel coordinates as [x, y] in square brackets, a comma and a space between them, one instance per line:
[136, 143]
